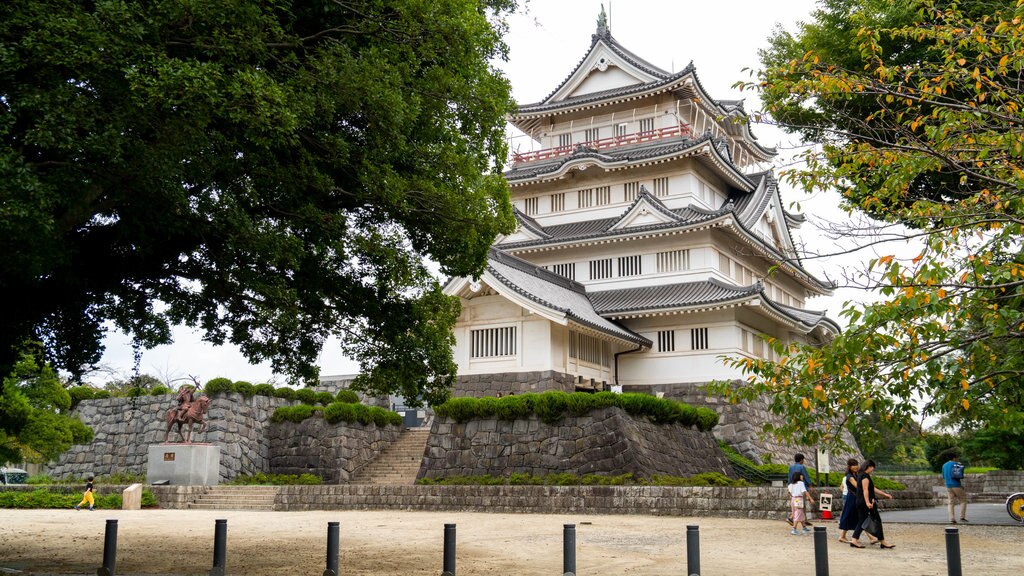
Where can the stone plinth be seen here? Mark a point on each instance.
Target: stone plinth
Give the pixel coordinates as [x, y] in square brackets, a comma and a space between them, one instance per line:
[184, 464]
[131, 497]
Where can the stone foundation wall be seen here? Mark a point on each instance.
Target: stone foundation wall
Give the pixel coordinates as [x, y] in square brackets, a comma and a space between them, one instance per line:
[479, 385]
[606, 441]
[332, 451]
[740, 426]
[125, 427]
[999, 484]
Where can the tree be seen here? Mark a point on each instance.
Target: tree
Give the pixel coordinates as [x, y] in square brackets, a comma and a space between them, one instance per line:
[916, 108]
[34, 424]
[271, 172]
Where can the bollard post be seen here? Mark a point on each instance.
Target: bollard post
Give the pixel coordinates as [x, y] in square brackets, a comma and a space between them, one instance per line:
[953, 552]
[109, 549]
[693, 550]
[820, 551]
[569, 550]
[449, 550]
[220, 547]
[333, 537]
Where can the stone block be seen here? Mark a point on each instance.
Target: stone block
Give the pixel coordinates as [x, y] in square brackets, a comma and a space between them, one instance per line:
[131, 497]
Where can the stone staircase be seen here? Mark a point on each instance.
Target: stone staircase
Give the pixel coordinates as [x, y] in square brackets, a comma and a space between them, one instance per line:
[399, 463]
[235, 498]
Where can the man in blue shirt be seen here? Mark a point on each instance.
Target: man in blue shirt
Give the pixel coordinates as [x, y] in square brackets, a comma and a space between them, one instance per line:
[953, 474]
[798, 466]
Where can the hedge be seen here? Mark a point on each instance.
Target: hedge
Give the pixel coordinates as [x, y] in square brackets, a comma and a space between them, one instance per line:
[347, 396]
[835, 479]
[324, 398]
[569, 479]
[339, 412]
[552, 406]
[305, 395]
[43, 498]
[244, 388]
[275, 480]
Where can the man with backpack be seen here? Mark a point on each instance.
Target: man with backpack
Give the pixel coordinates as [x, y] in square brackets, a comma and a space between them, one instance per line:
[953, 475]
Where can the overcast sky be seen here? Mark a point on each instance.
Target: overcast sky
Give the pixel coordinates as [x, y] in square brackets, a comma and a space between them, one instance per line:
[546, 43]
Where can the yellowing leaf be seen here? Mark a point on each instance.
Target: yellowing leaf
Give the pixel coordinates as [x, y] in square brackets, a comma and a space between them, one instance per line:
[807, 403]
[965, 404]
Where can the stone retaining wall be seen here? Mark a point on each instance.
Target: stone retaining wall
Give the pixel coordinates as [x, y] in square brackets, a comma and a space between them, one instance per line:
[605, 441]
[740, 426]
[125, 427]
[480, 385]
[1001, 483]
[757, 502]
[332, 451]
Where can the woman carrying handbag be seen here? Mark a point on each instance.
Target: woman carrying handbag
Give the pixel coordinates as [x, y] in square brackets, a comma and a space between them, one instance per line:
[867, 507]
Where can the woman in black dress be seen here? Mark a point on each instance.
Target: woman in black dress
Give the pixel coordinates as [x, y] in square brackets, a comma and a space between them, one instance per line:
[848, 520]
[867, 506]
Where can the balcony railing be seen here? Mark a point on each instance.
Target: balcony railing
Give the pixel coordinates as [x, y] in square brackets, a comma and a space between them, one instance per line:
[604, 143]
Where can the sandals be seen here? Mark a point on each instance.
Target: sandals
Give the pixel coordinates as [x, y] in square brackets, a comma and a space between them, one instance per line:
[844, 540]
[856, 545]
[889, 547]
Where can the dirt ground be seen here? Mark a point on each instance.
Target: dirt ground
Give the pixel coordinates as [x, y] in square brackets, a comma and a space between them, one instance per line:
[410, 543]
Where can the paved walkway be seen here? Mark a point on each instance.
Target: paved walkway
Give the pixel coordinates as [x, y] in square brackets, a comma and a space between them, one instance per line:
[980, 514]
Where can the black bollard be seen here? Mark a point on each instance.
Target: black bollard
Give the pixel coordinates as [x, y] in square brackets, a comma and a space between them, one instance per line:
[333, 537]
[569, 550]
[109, 550]
[820, 551]
[693, 550]
[953, 552]
[220, 547]
[449, 550]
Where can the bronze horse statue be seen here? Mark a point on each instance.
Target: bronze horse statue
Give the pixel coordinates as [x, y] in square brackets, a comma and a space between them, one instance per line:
[194, 413]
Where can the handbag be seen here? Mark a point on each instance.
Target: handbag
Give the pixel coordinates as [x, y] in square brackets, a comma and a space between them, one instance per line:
[870, 524]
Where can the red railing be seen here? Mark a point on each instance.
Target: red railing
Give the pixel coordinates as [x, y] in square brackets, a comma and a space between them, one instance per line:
[603, 143]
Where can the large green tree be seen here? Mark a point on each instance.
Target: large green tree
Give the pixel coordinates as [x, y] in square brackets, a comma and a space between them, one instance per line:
[272, 172]
[916, 108]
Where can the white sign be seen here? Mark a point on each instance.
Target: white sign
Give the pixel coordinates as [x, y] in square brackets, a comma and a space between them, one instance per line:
[823, 462]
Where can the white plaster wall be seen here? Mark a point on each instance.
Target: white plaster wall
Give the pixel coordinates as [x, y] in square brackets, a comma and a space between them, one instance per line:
[612, 77]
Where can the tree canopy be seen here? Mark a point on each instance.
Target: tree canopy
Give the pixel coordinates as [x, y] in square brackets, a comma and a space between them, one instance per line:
[272, 172]
[915, 106]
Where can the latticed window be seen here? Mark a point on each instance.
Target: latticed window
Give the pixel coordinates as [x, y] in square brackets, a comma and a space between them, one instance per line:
[532, 206]
[699, 338]
[666, 340]
[602, 195]
[647, 125]
[632, 190]
[592, 134]
[600, 269]
[589, 349]
[620, 129]
[586, 197]
[673, 261]
[661, 186]
[564, 140]
[724, 264]
[567, 270]
[558, 202]
[629, 266]
[493, 342]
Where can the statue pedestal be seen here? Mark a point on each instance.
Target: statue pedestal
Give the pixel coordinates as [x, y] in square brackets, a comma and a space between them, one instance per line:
[184, 464]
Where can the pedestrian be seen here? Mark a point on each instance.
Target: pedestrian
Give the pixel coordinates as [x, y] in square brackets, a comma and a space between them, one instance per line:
[953, 475]
[798, 466]
[798, 494]
[87, 497]
[848, 519]
[869, 519]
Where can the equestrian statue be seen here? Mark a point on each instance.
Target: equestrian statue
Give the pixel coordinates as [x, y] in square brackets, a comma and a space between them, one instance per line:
[190, 410]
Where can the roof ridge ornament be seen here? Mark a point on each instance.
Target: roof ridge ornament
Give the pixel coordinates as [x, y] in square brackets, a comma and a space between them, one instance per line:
[602, 27]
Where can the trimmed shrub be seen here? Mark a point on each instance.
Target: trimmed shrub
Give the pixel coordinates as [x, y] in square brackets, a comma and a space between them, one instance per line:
[98, 394]
[218, 386]
[570, 479]
[244, 388]
[284, 392]
[347, 396]
[264, 389]
[296, 413]
[43, 498]
[552, 406]
[336, 412]
[275, 480]
[79, 393]
[305, 395]
[159, 391]
[324, 398]
[136, 391]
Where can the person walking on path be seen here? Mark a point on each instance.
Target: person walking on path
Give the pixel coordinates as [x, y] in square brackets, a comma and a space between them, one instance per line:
[798, 466]
[798, 494]
[953, 475]
[848, 519]
[87, 497]
[867, 507]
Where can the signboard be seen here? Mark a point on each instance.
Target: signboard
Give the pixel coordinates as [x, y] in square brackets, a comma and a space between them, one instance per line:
[168, 456]
[822, 461]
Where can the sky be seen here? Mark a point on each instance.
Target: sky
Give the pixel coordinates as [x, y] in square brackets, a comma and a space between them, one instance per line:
[546, 41]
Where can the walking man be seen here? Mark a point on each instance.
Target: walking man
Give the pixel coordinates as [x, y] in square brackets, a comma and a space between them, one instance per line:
[953, 475]
[798, 467]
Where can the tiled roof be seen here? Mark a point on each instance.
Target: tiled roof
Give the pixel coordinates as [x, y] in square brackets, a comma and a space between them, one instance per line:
[530, 224]
[555, 292]
[669, 296]
[809, 318]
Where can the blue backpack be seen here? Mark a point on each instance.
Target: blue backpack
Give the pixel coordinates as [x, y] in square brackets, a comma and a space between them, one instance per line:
[958, 471]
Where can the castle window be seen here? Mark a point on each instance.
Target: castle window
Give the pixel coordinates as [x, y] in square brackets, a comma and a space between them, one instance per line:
[673, 261]
[567, 270]
[724, 264]
[629, 266]
[699, 339]
[586, 197]
[531, 206]
[564, 140]
[592, 134]
[602, 195]
[589, 349]
[600, 269]
[620, 129]
[666, 341]
[632, 190]
[493, 342]
[661, 186]
[558, 202]
[647, 125]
